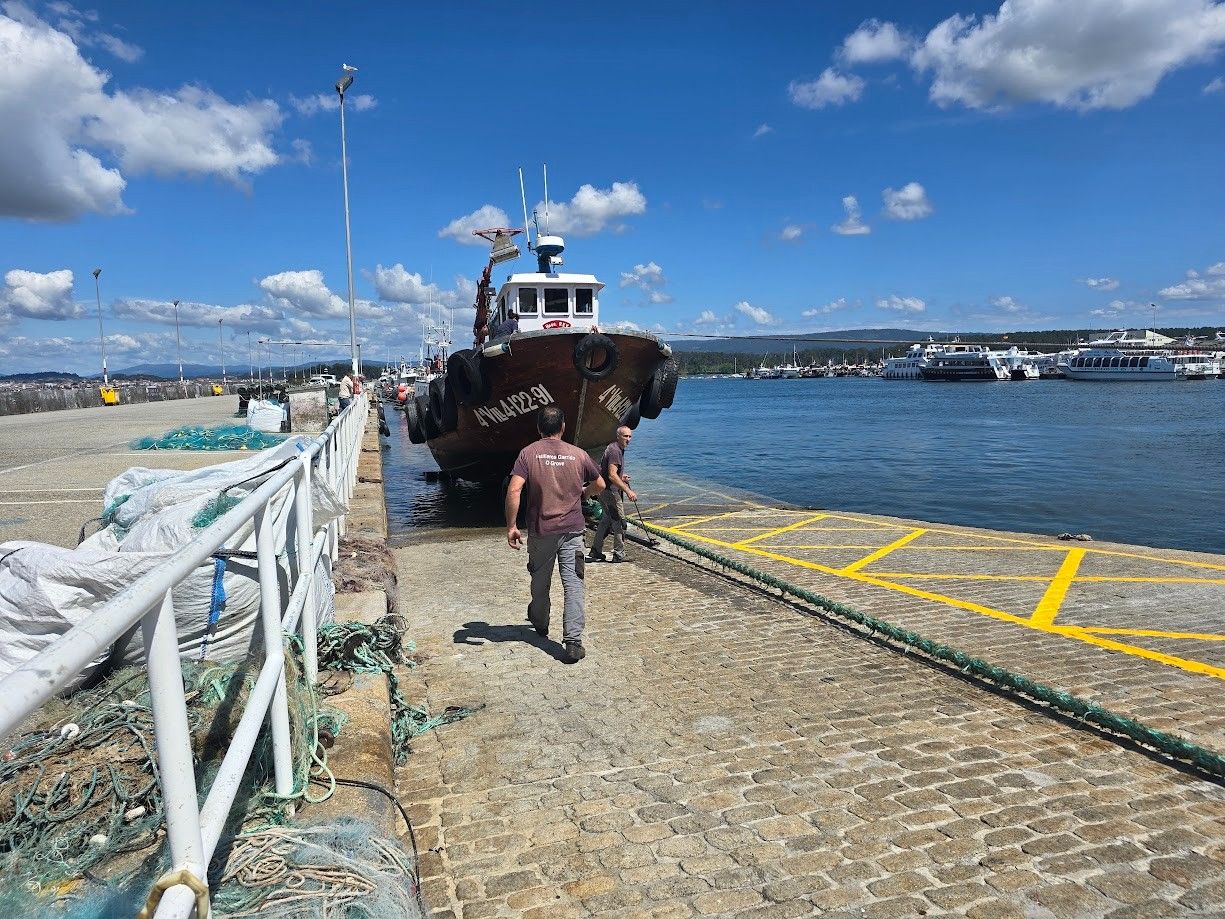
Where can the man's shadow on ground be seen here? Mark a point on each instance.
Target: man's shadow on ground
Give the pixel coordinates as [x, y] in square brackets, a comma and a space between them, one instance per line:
[478, 633]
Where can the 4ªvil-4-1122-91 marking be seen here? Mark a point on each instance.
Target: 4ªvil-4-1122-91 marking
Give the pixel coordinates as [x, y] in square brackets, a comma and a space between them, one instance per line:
[514, 405]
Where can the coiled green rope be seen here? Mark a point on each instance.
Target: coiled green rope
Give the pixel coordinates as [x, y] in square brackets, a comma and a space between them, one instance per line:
[1208, 761]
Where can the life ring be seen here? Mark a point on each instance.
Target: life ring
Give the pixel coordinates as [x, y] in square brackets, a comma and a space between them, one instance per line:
[596, 356]
[416, 432]
[443, 410]
[467, 378]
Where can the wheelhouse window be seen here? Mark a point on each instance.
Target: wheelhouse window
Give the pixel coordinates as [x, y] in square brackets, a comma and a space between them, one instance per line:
[556, 300]
[527, 300]
[583, 300]
[502, 307]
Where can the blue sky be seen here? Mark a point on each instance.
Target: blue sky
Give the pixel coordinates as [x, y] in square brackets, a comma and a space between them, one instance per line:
[727, 167]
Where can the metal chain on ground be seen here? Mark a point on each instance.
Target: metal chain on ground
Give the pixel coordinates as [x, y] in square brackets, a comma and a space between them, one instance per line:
[1204, 759]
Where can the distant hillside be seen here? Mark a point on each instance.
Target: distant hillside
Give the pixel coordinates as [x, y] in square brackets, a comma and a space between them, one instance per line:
[41, 376]
[765, 343]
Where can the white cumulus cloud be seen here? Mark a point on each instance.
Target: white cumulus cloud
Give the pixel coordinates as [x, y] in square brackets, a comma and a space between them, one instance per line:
[305, 292]
[833, 306]
[330, 102]
[831, 88]
[707, 317]
[1215, 85]
[762, 131]
[1090, 54]
[244, 317]
[399, 285]
[35, 295]
[1101, 283]
[898, 304]
[907, 203]
[791, 232]
[592, 209]
[650, 279]
[59, 121]
[853, 224]
[756, 313]
[875, 42]
[1007, 305]
[460, 229]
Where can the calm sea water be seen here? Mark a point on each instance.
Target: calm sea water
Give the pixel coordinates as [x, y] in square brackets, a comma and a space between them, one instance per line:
[1130, 462]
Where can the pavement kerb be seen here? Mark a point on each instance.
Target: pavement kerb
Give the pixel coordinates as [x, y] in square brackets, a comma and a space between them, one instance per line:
[363, 747]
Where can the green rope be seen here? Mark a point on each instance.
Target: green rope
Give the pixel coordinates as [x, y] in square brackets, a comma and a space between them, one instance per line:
[360, 648]
[1202, 758]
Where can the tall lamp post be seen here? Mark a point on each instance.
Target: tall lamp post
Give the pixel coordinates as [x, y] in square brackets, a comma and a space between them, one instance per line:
[106, 380]
[178, 345]
[345, 81]
[221, 344]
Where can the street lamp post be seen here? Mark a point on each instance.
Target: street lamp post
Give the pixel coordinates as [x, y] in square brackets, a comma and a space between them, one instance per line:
[251, 361]
[345, 81]
[221, 345]
[106, 380]
[178, 346]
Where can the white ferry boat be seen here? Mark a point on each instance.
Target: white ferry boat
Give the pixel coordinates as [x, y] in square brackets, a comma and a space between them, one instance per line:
[907, 366]
[1132, 339]
[789, 371]
[957, 362]
[1108, 364]
[1196, 366]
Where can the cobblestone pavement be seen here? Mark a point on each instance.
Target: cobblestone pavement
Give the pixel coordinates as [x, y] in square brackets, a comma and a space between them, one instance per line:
[722, 753]
[1140, 631]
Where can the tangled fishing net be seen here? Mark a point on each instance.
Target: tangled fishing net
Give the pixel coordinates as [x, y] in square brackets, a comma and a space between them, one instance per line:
[80, 802]
[359, 648]
[196, 437]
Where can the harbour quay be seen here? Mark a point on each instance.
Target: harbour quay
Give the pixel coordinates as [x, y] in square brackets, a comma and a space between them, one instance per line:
[728, 749]
[54, 466]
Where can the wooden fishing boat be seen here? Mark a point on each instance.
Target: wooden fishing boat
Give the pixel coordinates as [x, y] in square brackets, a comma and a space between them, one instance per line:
[481, 412]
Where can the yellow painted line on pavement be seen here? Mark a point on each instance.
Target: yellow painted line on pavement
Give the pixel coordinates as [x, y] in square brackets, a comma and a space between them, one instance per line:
[799, 524]
[1148, 633]
[860, 548]
[1048, 607]
[1127, 579]
[1191, 666]
[990, 548]
[711, 517]
[883, 551]
[939, 576]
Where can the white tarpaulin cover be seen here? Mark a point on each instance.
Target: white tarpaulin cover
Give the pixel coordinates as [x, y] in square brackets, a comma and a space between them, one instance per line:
[151, 514]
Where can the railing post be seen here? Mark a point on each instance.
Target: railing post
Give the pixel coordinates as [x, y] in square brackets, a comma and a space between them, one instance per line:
[173, 737]
[306, 569]
[274, 644]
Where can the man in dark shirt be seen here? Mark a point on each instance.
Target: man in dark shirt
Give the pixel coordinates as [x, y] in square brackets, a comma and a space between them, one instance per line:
[612, 468]
[510, 326]
[557, 476]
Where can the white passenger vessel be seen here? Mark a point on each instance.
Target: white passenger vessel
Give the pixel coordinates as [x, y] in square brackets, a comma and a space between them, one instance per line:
[1109, 364]
[959, 362]
[907, 366]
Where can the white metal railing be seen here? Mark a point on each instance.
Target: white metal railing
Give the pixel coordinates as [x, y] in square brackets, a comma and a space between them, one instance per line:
[193, 831]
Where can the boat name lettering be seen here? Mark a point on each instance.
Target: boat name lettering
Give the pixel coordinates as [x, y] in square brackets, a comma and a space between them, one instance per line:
[556, 324]
[514, 405]
[615, 402]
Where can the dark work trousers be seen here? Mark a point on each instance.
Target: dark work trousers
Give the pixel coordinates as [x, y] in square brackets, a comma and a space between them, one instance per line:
[566, 551]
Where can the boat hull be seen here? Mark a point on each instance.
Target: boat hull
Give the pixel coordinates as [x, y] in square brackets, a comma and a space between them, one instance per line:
[540, 370]
[960, 374]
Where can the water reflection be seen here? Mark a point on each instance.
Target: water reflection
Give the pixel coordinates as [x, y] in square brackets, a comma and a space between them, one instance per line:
[421, 497]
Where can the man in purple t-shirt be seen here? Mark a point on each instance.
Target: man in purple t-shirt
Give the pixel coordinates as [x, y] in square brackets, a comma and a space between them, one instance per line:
[612, 467]
[557, 476]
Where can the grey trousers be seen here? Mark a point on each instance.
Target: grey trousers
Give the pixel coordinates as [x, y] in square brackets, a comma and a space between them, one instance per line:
[613, 521]
[566, 550]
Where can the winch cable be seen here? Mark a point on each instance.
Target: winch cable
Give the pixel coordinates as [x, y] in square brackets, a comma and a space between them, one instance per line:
[1209, 762]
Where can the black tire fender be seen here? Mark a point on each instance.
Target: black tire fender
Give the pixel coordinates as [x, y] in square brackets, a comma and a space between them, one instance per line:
[428, 429]
[467, 377]
[412, 416]
[592, 346]
[669, 373]
[632, 417]
[443, 410]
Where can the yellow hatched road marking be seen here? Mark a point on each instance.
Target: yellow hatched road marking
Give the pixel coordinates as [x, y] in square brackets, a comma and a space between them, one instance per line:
[691, 523]
[1147, 633]
[937, 576]
[1191, 666]
[1048, 606]
[799, 524]
[860, 548]
[1128, 579]
[883, 551]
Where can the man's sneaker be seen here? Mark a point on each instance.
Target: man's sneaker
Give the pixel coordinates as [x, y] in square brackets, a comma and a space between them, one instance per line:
[596, 557]
[619, 557]
[573, 652]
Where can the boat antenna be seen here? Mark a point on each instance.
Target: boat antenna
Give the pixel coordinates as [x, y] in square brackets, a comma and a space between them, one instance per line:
[546, 199]
[523, 198]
